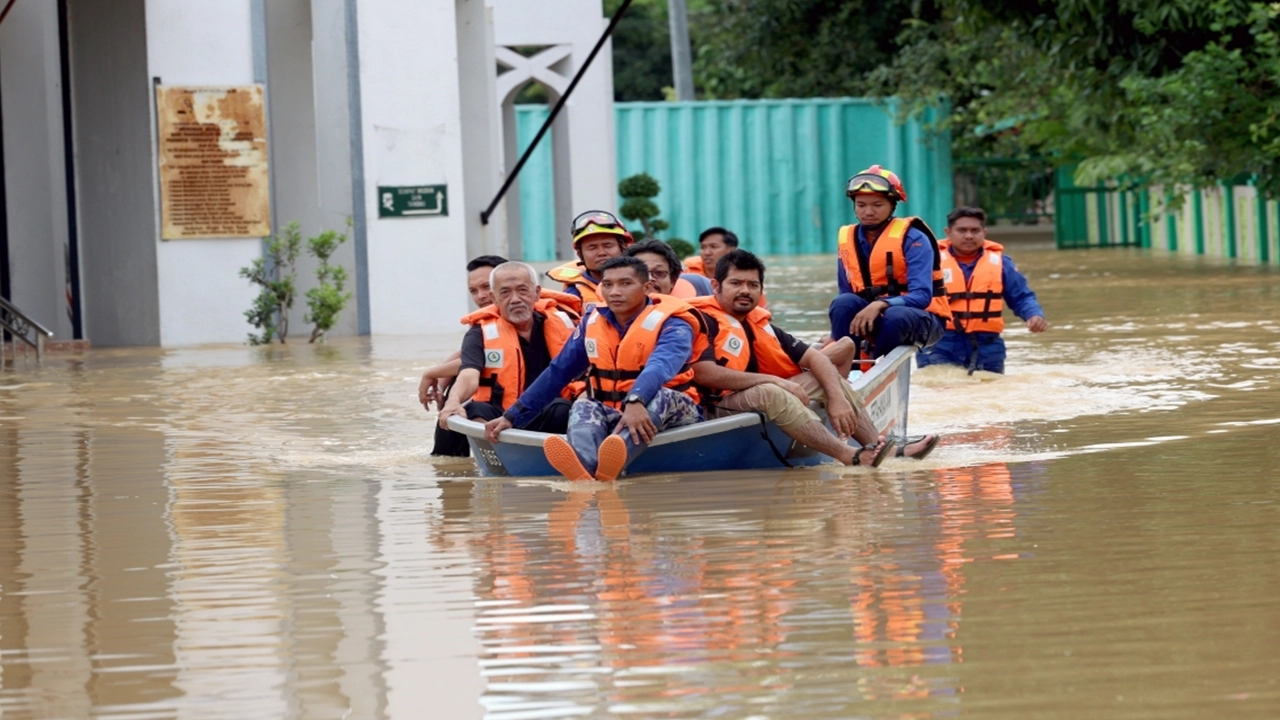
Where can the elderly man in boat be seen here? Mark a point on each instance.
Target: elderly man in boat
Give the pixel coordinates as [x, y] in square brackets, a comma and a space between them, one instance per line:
[752, 365]
[635, 350]
[510, 343]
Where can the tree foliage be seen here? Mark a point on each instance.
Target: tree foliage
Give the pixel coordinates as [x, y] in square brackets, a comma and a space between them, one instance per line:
[797, 48]
[1181, 93]
[637, 194]
[641, 50]
[326, 299]
[276, 277]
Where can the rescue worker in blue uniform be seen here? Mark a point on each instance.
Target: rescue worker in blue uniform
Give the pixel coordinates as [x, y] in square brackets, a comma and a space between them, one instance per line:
[889, 271]
[980, 280]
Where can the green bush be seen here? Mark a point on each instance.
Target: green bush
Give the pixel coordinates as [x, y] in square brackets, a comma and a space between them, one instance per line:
[682, 248]
[276, 276]
[637, 194]
[326, 299]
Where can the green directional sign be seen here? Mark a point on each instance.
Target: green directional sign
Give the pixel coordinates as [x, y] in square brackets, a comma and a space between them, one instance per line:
[416, 201]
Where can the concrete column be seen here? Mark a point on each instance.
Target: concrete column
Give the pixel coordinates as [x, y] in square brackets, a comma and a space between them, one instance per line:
[411, 135]
[481, 131]
[34, 163]
[310, 138]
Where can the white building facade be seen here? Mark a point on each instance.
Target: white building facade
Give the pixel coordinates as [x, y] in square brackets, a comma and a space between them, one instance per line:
[360, 95]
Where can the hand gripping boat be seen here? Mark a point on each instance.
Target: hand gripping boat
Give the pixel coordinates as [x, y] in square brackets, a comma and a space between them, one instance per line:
[737, 442]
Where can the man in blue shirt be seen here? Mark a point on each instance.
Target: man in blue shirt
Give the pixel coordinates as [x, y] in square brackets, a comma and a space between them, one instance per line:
[981, 280]
[890, 287]
[636, 351]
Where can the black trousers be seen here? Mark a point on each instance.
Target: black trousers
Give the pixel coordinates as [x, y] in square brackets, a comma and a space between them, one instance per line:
[450, 443]
[554, 418]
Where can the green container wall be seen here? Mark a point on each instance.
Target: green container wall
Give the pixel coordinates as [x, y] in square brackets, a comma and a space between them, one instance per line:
[773, 171]
[1228, 221]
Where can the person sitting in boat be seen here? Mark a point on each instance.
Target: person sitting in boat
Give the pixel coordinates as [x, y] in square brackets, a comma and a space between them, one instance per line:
[597, 237]
[664, 271]
[888, 272]
[751, 365]
[636, 350]
[437, 380]
[509, 345]
[981, 280]
[714, 243]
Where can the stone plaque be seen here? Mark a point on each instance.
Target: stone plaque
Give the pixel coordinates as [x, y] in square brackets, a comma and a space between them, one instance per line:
[213, 162]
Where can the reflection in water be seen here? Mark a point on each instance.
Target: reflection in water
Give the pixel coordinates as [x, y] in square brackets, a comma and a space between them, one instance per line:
[260, 533]
[597, 600]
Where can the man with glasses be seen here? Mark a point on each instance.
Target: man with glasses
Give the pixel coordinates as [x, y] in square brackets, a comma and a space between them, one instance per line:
[664, 271]
[597, 237]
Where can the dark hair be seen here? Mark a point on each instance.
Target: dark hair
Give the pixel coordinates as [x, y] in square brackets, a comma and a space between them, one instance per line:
[740, 260]
[658, 247]
[967, 212]
[483, 261]
[625, 261]
[729, 238]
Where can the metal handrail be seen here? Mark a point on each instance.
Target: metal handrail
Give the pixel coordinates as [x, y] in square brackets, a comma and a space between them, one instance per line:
[19, 326]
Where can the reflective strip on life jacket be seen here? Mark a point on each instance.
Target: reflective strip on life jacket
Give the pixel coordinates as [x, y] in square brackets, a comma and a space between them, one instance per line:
[884, 274]
[977, 305]
[616, 361]
[502, 377]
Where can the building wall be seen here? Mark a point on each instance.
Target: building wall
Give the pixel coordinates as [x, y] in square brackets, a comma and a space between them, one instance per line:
[34, 163]
[202, 296]
[410, 102]
[111, 94]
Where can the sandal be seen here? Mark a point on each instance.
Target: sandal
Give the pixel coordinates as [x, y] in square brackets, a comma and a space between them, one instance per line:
[928, 448]
[882, 452]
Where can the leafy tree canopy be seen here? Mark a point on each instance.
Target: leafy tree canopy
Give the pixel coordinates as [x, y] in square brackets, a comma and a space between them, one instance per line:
[1169, 92]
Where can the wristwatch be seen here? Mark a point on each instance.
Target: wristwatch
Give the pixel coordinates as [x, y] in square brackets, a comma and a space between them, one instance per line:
[633, 398]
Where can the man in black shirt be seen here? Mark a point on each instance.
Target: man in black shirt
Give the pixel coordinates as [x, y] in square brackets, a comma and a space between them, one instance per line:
[508, 346]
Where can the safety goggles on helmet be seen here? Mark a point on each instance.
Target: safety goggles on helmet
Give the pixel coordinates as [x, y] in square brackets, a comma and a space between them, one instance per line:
[876, 179]
[595, 222]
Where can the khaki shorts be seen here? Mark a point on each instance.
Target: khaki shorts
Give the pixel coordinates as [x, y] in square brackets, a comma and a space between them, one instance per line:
[780, 406]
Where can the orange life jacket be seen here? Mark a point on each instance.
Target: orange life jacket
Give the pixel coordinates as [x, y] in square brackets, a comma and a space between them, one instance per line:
[566, 301]
[977, 304]
[573, 274]
[502, 378]
[693, 264]
[734, 348]
[683, 289]
[886, 274]
[616, 361]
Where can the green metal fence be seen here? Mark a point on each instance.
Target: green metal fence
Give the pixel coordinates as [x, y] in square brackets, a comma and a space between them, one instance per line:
[771, 170]
[1228, 221]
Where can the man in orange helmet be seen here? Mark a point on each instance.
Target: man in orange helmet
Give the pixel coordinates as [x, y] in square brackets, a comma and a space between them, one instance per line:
[890, 277]
[597, 237]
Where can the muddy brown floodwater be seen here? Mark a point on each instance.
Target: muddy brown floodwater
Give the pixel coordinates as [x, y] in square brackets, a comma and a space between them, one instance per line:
[236, 532]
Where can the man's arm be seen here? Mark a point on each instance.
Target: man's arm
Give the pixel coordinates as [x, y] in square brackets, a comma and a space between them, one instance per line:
[842, 278]
[566, 367]
[918, 252]
[841, 413]
[670, 353]
[713, 375]
[1020, 298]
[463, 389]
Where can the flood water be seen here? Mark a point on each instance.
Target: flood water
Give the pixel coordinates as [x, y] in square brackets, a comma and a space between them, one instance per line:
[239, 532]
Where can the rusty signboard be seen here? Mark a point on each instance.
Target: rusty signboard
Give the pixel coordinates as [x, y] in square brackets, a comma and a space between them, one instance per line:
[213, 162]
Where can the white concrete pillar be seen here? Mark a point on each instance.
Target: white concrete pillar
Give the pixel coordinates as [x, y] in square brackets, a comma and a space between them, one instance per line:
[412, 136]
[202, 296]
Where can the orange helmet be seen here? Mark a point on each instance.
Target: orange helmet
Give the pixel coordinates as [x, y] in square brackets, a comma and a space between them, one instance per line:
[599, 222]
[878, 181]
